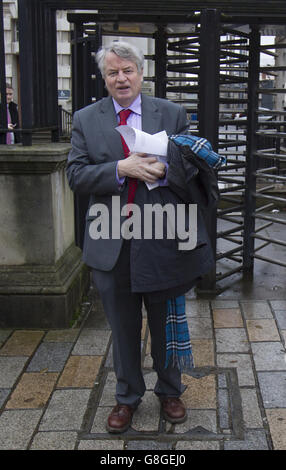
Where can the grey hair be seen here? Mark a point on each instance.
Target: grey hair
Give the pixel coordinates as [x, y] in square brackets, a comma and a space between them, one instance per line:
[123, 50]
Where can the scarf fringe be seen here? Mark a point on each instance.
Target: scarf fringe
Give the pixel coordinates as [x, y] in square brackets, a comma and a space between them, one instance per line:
[185, 363]
[178, 345]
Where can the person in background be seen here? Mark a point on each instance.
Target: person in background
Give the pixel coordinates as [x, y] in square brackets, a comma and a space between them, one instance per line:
[12, 117]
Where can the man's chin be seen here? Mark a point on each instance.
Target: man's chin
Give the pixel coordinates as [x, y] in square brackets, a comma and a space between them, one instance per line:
[124, 99]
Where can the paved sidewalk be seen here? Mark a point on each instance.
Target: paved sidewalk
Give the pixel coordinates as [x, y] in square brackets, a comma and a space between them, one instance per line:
[57, 386]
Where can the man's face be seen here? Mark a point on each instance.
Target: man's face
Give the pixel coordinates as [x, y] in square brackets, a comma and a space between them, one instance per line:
[9, 95]
[122, 79]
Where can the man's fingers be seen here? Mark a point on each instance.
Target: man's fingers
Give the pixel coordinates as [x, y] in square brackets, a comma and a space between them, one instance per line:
[140, 166]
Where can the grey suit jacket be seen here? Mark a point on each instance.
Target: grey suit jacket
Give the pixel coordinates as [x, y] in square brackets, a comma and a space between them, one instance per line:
[91, 168]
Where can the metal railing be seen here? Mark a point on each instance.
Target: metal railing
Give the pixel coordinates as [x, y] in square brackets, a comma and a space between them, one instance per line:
[65, 122]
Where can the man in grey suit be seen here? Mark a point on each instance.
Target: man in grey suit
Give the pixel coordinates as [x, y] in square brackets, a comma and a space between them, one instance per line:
[100, 165]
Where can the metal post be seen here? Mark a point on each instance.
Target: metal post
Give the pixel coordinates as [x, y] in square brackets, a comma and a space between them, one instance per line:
[99, 82]
[87, 72]
[78, 101]
[51, 51]
[25, 10]
[251, 147]
[77, 67]
[160, 61]
[3, 112]
[208, 109]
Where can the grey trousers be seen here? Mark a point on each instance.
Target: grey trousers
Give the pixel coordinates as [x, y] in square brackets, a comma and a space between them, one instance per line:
[124, 313]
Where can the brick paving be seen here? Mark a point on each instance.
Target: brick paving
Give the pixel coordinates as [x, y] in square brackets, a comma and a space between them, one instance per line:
[57, 386]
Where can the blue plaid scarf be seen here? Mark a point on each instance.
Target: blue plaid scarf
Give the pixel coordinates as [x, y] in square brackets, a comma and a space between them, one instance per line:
[178, 348]
[201, 147]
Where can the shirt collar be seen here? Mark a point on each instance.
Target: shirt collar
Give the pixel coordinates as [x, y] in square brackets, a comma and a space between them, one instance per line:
[135, 107]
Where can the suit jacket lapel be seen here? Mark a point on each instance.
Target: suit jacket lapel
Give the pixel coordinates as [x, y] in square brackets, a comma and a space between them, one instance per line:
[108, 122]
[151, 123]
[151, 116]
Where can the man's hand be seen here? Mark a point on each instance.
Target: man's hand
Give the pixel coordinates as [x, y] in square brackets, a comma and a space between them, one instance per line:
[139, 166]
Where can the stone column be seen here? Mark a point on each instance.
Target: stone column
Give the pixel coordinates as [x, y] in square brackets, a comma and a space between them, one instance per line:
[42, 277]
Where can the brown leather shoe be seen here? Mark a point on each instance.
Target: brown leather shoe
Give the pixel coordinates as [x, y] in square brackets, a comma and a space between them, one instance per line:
[174, 410]
[120, 418]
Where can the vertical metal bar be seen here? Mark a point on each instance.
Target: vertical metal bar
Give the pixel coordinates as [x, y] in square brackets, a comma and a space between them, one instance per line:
[209, 75]
[160, 61]
[25, 10]
[208, 109]
[87, 73]
[40, 110]
[251, 147]
[51, 51]
[80, 201]
[77, 66]
[45, 95]
[3, 112]
[99, 82]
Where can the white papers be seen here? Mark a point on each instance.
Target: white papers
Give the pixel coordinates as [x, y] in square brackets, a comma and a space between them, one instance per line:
[154, 145]
[139, 141]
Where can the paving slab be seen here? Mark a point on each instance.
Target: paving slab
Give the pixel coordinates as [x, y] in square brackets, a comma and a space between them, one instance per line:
[17, 428]
[231, 340]
[106, 445]
[203, 352]
[22, 343]
[273, 389]
[4, 393]
[50, 357]
[202, 419]
[62, 336]
[99, 422]
[225, 304]
[200, 327]
[148, 445]
[150, 379]
[223, 402]
[278, 304]
[147, 415]
[92, 342]
[65, 410]
[80, 371]
[242, 363]
[197, 445]
[200, 393]
[250, 409]
[280, 316]
[254, 440]
[49, 440]
[33, 390]
[107, 396]
[277, 422]
[10, 369]
[256, 309]
[227, 318]
[198, 308]
[269, 356]
[262, 330]
[4, 334]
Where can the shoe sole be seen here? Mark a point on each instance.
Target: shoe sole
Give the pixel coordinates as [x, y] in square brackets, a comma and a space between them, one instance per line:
[117, 430]
[175, 420]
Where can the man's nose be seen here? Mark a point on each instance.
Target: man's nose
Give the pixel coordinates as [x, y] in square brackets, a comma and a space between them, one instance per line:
[121, 76]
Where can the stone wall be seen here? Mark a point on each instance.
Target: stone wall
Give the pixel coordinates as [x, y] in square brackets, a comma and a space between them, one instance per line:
[42, 277]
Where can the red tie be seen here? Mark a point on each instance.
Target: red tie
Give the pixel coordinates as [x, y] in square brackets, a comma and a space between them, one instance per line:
[132, 181]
